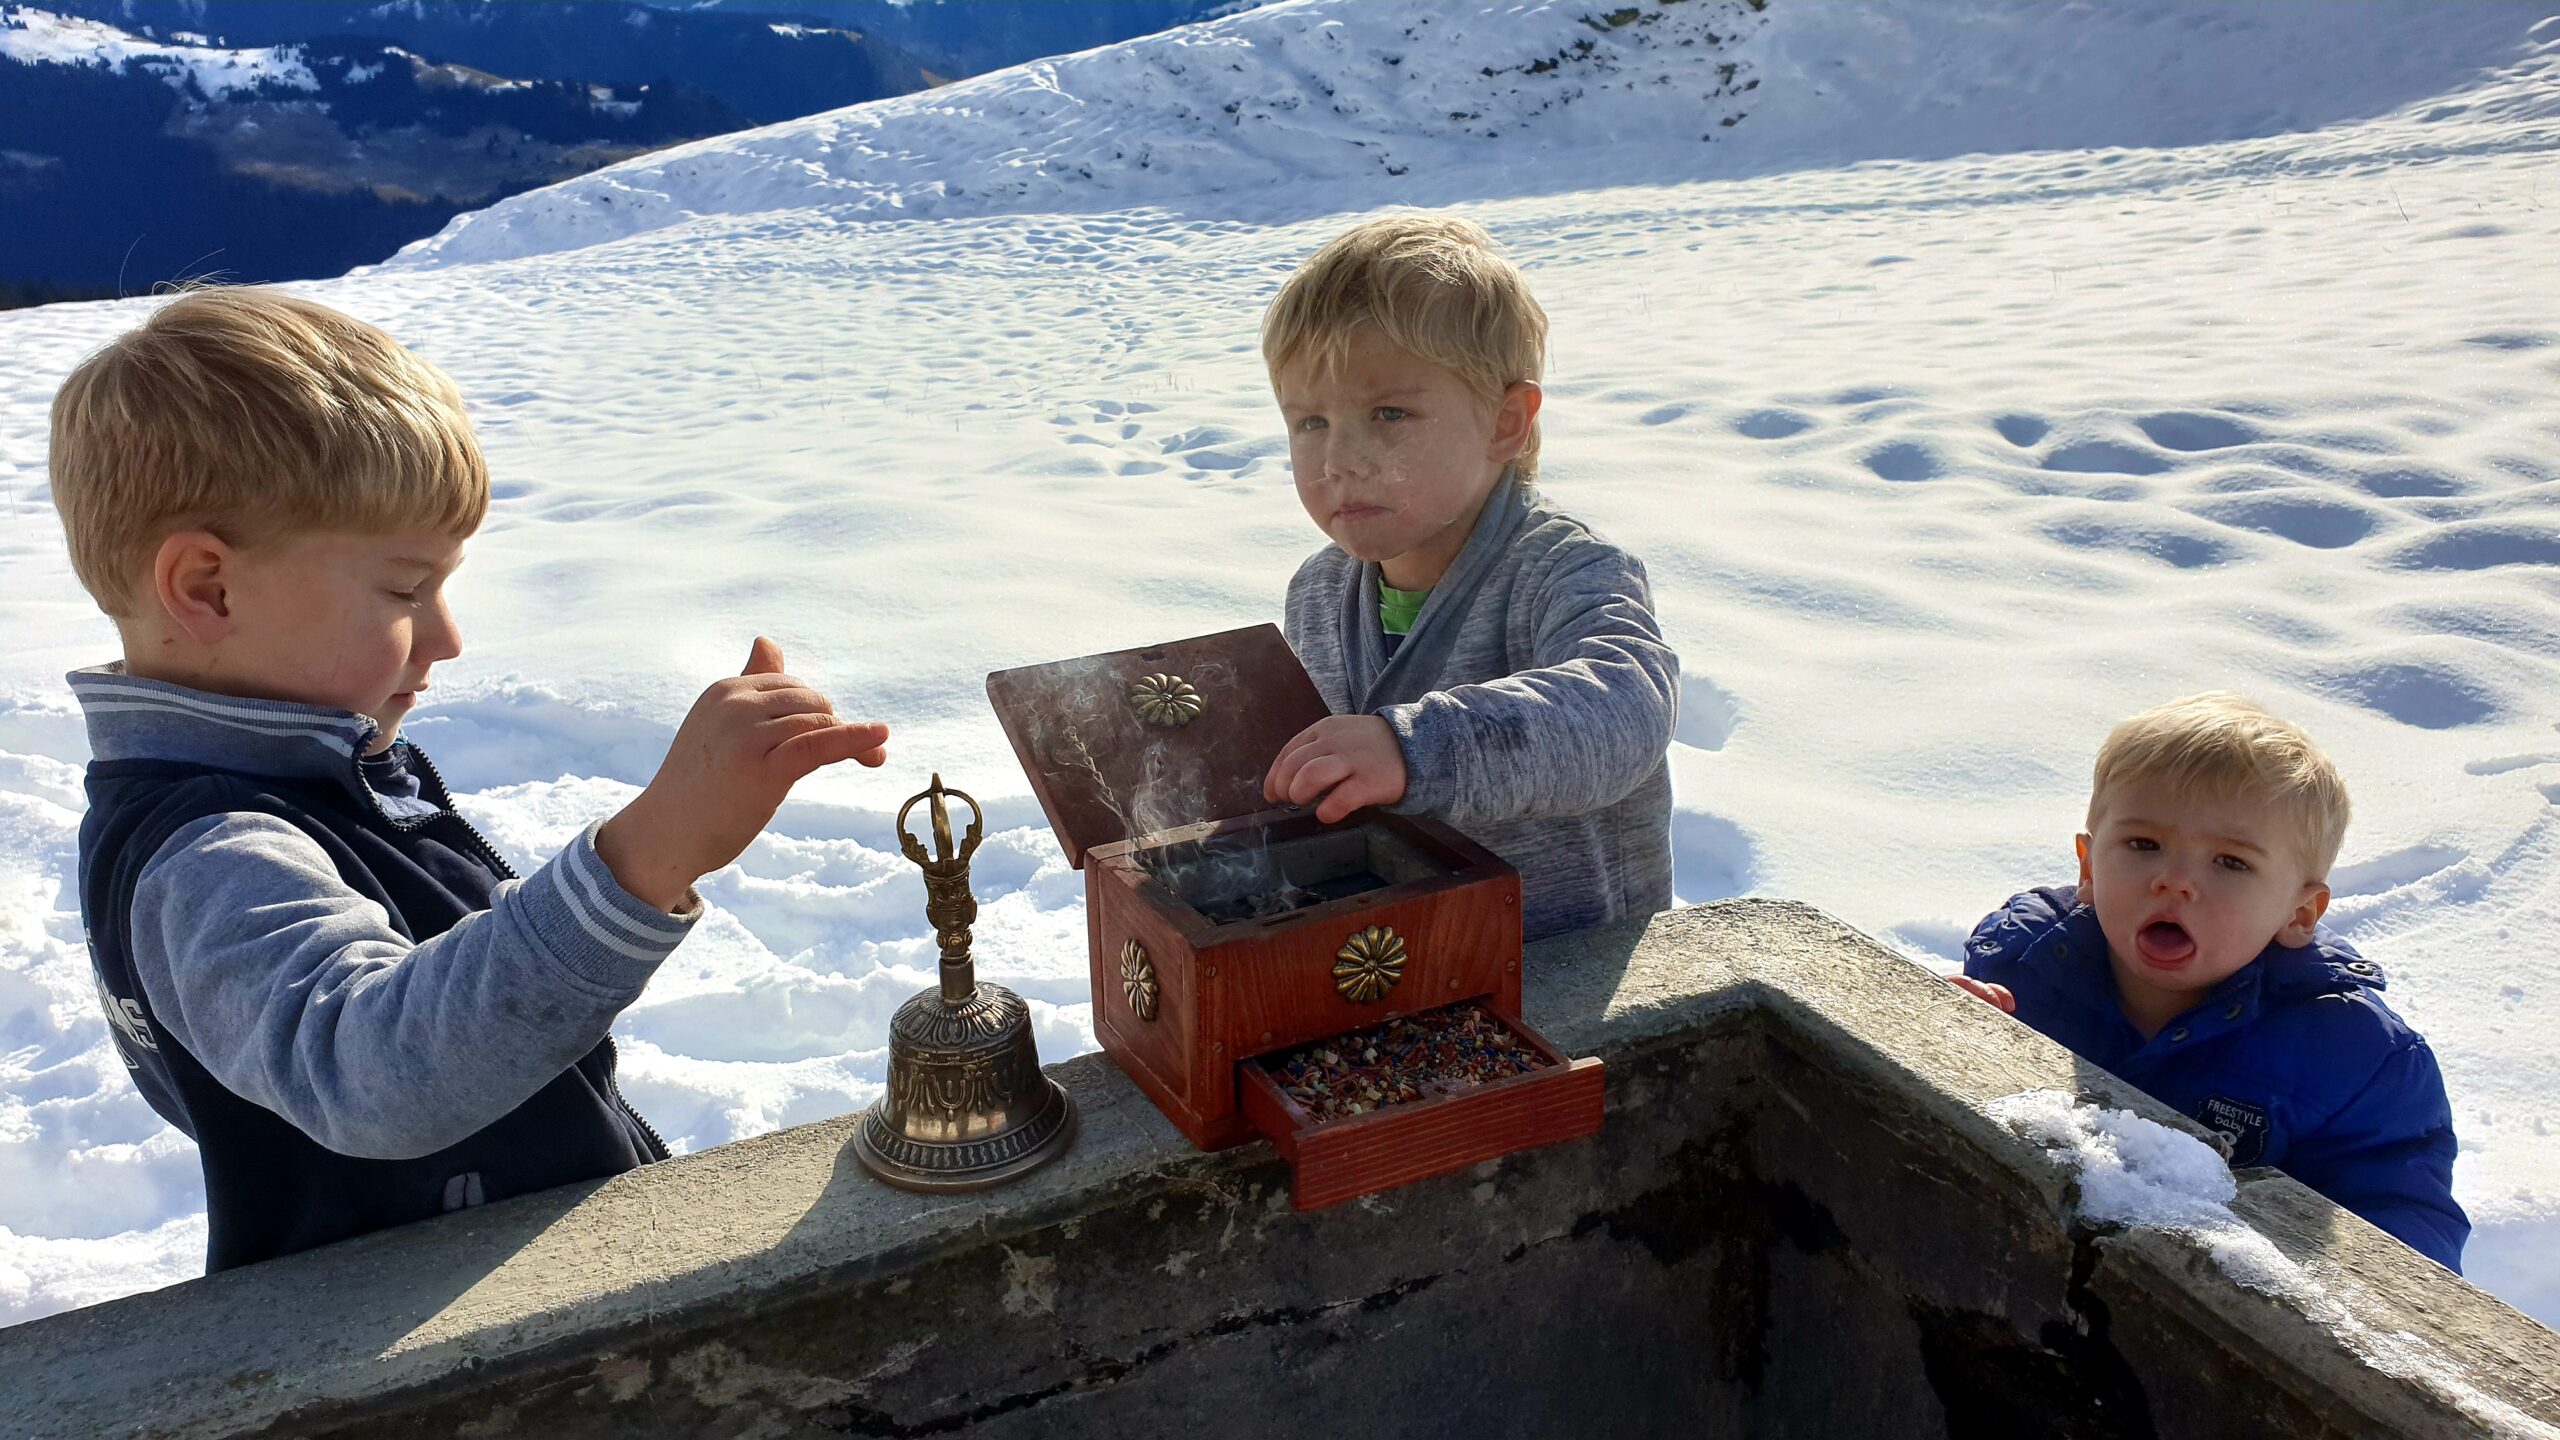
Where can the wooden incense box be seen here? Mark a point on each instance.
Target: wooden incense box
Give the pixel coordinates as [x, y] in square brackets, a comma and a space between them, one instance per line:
[1223, 929]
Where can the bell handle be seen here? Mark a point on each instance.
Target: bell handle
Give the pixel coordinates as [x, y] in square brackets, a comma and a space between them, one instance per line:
[914, 847]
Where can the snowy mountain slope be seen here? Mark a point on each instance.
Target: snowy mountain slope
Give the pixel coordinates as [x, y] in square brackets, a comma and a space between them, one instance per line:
[1940, 466]
[1274, 110]
[1298, 97]
[971, 37]
[191, 66]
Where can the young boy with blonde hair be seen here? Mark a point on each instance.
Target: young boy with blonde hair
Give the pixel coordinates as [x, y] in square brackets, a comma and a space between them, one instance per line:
[1490, 660]
[313, 966]
[2188, 961]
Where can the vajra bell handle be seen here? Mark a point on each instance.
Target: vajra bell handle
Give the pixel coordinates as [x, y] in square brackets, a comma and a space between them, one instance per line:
[948, 902]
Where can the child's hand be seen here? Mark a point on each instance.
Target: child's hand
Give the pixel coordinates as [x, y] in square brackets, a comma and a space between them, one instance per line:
[737, 755]
[1997, 996]
[1344, 761]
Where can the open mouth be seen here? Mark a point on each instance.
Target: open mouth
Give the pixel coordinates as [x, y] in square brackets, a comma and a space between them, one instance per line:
[2165, 943]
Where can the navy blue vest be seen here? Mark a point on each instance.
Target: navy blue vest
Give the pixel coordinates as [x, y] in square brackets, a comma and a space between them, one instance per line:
[270, 1189]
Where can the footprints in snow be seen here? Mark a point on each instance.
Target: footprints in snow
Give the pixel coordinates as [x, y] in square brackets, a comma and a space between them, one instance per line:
[2233, 474]
[1199, 452]
[2414, 692]
[2481, 545]
[2311, 520]
[2022, 430]
[2103, 457]
[2190, 430]
[1773, 424]
[1904, 461]
[1711, 858]
[2198, 488]
[1708, 714]
[2132, 535]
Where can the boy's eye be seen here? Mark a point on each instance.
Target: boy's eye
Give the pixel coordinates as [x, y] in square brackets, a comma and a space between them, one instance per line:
[2142, 842]
[1311, 422]
[1390, 412]
[2232, 862]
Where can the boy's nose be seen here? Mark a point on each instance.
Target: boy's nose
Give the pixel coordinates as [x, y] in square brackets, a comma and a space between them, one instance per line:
[440, 638]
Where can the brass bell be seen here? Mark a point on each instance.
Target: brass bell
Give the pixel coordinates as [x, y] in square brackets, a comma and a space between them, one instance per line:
[967, 1105]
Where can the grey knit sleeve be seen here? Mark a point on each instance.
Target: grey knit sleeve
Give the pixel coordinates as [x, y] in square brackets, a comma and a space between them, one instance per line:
[1572, 735]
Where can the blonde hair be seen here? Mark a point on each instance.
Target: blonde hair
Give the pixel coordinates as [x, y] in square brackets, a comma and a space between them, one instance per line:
[253, 414]
[1431, 284]
[2219, 744]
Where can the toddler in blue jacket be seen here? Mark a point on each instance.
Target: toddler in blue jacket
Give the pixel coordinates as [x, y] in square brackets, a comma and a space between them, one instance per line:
[2188, 961]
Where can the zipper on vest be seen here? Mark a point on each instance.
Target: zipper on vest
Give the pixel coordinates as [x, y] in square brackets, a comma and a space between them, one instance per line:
[613, 1087]
[445, 811]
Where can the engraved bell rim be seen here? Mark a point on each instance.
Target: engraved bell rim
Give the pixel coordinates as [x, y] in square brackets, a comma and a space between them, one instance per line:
[933, 1167]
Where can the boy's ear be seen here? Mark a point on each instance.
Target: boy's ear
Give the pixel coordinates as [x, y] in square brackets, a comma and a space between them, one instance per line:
[2305, 919]
[190, 582]
[2080, 844]
[1513, 416]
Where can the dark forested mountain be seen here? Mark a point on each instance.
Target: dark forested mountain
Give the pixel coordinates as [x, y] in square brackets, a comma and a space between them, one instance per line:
[143, 141]
[126, 162]
[766, 67]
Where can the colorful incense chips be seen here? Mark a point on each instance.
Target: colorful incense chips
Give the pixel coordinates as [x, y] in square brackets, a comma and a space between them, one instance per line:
[1436, 1052]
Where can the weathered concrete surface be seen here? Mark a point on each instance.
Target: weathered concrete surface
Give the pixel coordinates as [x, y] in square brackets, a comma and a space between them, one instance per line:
[1798, 1221]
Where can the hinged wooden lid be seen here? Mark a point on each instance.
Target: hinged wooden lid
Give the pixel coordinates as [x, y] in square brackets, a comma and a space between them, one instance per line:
[1137, 741]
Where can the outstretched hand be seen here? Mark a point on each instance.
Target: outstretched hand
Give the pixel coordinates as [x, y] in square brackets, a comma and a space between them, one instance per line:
[1338, 764]
[741, 748]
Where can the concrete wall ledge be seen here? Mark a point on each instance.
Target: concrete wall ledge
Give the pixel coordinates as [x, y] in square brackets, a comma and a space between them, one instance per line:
[616, 1294]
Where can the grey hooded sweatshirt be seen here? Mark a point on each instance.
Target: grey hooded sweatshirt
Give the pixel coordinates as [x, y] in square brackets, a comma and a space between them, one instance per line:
[1534, 700]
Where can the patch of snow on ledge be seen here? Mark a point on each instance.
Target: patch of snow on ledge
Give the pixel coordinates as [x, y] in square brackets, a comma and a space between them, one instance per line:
[2143, 1174]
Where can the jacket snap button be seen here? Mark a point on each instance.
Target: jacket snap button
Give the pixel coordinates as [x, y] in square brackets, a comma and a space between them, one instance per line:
[2178, 1034]
[2061, 952]
[2232, 1014]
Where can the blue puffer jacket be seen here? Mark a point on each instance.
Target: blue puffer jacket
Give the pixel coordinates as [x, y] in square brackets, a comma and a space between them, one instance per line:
[2294, 1060]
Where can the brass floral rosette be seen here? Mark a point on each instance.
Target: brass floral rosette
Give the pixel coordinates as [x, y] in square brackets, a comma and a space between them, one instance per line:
[1369, 964]
[1138, 980]
[1167, 701]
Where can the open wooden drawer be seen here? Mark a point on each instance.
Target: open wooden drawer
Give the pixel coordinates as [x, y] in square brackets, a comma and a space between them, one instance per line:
[1337, 1159]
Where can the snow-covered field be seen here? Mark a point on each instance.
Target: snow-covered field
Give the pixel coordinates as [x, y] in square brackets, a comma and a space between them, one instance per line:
[2000, 370]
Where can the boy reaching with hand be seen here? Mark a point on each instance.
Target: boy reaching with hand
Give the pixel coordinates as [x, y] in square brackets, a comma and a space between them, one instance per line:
[313, 966]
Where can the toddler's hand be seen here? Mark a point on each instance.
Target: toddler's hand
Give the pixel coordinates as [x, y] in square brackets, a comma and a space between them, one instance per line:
[737, 755]
[1997, 996]
[1342, 761]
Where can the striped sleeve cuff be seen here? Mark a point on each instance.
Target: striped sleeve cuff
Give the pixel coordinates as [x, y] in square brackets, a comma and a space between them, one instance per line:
[599, 932]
